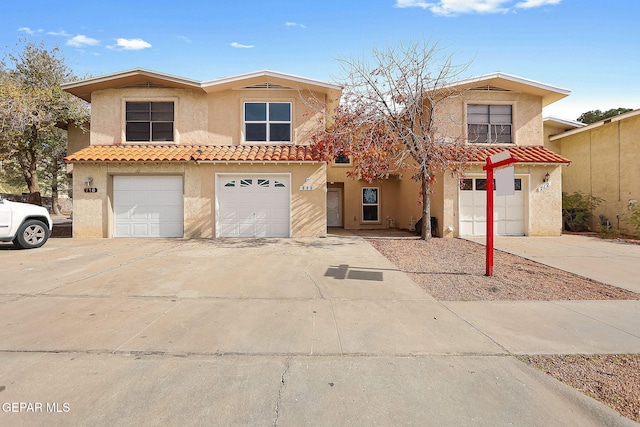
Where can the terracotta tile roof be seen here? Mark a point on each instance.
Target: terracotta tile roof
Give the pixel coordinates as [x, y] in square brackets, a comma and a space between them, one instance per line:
[260, 153]
[531, 154]
[183, 153]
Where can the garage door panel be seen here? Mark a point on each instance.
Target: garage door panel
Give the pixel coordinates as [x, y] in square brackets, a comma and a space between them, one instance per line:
[508, 212]
[253, 205]
[513, 228]
[479, 213]
[514, 213]
[466, 228]
[498, 202]
[280, 230]
[148, 206]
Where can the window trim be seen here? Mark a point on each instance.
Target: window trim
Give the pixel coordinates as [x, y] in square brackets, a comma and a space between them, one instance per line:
[363, 205]
[349, 161]
[517, 183]
[176, 118]
[267, 122]
[489, 104]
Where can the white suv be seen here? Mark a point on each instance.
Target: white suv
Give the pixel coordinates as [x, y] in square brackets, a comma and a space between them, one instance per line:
[27, 226]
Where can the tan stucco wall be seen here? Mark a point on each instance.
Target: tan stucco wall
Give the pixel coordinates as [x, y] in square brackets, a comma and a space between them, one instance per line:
[93, 212]
[200, 119]
[526, 114]
[550, 130]
[78, 138]
[398, 200]
[604, 163]
[225, 124]
[108, 113]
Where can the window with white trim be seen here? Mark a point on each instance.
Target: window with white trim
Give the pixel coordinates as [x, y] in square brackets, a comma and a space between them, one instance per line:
[489, 124]
[267, 121]
[370, 204]
[149, 121]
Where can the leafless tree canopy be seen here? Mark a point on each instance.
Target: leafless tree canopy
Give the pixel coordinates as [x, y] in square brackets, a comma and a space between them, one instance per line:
[396, 115]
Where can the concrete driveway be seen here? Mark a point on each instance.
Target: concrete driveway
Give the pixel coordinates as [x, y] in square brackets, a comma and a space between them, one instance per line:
[287, 332]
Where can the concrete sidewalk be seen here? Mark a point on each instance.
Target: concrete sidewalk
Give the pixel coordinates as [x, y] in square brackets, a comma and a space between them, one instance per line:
[607, 261]
[284, 332]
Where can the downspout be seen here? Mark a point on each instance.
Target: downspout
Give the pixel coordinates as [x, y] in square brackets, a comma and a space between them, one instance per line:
[619, 164]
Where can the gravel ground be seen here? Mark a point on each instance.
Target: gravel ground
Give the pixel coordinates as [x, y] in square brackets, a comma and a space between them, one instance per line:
[612, 379]
[453, 270]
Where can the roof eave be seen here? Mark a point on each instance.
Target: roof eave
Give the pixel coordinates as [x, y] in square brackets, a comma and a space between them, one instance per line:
[84, 88]
[596, 125]
[548, 93]
[230, 81]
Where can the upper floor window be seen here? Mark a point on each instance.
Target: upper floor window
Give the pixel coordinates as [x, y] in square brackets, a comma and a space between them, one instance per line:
[267, 121]
[149, 121]
[489, 124]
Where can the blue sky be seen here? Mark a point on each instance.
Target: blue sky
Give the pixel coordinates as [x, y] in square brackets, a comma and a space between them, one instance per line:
[587, 46]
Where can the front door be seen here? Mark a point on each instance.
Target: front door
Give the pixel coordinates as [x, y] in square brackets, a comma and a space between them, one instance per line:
[334, 207]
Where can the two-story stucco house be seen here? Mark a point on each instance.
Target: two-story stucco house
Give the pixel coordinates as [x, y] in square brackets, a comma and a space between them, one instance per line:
[171, 157]
[496, 112]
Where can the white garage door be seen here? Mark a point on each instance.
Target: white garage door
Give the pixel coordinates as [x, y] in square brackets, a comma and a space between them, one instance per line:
[508, 211]
[147, 206]
[253, 205]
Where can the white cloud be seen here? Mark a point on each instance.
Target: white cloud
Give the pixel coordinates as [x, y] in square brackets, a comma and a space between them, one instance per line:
[241, 46]
[132, 44]
[62, 33]
[413, 3]
[185, 39]
[82, 40]
[294, 24]
[29, 30]
[528, 4]
[455, 7]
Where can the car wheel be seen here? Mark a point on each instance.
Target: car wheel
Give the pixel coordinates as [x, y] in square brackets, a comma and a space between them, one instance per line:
[31, 234]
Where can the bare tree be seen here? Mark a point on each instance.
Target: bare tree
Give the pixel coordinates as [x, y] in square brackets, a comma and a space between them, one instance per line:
[395, 115]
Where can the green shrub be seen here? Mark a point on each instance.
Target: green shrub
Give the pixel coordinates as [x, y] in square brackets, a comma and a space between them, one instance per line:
[606, 230]
[577, 210]
[634, 217]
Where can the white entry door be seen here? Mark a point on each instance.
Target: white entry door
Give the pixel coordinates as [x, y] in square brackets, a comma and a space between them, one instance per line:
[253, 205]
[147, 206]
[508, 211]
[334, 207]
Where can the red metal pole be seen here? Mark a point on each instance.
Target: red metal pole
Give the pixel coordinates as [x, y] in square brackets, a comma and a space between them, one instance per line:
[489, 219]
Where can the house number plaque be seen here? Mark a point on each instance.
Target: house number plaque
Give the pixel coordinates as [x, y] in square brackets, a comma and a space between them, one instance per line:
[91, 190]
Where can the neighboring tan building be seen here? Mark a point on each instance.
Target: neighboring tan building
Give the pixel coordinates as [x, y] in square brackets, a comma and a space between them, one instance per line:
[604, 163]
[172, 157]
